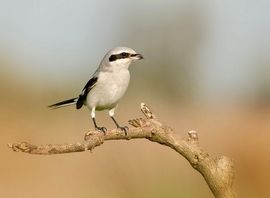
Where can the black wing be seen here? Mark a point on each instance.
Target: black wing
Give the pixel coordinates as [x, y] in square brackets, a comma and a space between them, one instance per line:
[82, 97]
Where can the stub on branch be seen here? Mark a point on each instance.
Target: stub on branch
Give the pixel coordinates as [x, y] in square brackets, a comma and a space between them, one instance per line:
[147, 112]
[193, 137]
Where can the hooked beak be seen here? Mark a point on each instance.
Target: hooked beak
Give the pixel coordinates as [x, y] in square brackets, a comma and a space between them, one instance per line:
[137, 56]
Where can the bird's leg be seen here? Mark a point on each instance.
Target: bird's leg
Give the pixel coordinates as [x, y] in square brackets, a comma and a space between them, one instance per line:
[124, 128]
[102, 129]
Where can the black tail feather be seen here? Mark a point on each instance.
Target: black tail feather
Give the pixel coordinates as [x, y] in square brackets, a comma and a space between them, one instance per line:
[64, 103]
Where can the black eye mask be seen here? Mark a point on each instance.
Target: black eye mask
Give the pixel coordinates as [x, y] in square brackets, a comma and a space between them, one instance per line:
[122, 55]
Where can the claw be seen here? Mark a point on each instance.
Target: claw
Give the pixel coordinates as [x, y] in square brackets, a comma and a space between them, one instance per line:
[101, 129]
[124, 128]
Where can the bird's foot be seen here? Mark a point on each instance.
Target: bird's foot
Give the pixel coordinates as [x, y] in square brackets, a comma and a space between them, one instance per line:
[101, 129]
[124, 128]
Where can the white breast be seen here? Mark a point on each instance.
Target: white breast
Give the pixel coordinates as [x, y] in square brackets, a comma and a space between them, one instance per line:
[109, 89]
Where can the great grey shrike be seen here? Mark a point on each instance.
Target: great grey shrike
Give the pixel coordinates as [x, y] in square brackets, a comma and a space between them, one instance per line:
[106, 86]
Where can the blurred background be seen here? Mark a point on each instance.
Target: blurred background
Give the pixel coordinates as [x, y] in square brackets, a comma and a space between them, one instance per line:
[206, 68]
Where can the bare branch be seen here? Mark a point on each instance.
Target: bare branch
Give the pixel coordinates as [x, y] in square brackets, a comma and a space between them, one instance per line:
[217, 171]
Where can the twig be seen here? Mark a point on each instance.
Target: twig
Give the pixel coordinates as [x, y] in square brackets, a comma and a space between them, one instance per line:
[217, 171]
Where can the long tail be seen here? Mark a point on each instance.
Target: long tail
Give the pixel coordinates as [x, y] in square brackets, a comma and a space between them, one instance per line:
[64, 103]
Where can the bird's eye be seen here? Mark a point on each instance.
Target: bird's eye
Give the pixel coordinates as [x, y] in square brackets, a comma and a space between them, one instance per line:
[124, 54]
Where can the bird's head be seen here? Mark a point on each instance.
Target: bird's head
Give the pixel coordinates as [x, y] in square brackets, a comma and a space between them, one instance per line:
[121, 57]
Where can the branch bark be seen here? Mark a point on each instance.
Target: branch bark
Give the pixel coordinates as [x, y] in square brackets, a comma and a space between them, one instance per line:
[218, 171]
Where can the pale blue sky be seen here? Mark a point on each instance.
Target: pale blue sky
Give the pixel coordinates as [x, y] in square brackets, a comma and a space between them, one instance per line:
[221, 42]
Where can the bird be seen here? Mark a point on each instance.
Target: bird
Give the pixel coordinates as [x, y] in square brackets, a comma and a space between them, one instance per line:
[106, 86]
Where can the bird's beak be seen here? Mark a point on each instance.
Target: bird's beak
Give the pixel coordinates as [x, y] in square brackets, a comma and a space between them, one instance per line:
[137, 56]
